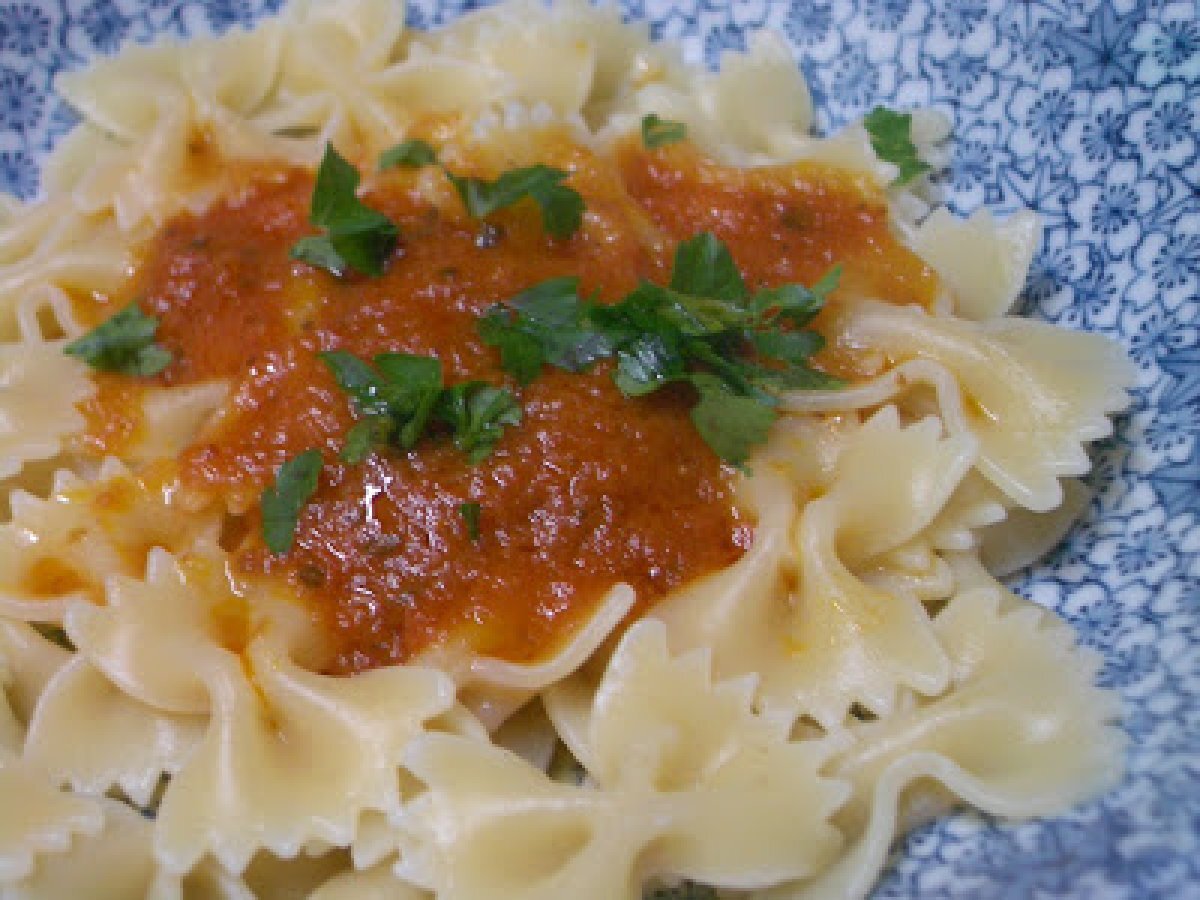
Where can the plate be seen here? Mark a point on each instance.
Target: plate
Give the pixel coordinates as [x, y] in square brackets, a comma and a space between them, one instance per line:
[1088, 113]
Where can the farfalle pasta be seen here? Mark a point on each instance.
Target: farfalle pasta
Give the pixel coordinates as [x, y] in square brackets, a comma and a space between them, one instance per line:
[506, 461]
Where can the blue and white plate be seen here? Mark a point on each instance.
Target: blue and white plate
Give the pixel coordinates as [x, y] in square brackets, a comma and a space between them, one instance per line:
[1089, 113]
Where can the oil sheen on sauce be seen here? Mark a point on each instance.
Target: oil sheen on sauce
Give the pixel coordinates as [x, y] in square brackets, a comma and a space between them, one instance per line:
[589, 490]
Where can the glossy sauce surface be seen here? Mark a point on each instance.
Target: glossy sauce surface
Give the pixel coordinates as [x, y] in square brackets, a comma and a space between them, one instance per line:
[590, 489]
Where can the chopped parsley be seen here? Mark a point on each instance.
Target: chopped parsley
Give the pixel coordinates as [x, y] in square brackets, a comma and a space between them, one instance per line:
[891, 138]
[402, 395]
[123, 343]
[658, 132]
[282, 502]
[548, 323]
[411, 154]
[355, 237]
[561, 206]
[470, 514]
[477, 413]
[705, 328]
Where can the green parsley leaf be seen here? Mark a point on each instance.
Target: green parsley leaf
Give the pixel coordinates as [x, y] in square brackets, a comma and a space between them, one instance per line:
[356, 236]
[704, 268]
[411, 154]
[521, 353]
[793, 347]
[891, 138]
[477, 412]
[363, 437]
[547, 323]
[414, 388]
[123, 343]
[470, 513]
[731, 424]
[282, 502]
[658, 132]
[402, 395]
[396, 398]
[646, 364]
[561, 206]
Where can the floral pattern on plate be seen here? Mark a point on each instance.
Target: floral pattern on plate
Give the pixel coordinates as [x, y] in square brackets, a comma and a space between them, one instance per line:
[1089, 113]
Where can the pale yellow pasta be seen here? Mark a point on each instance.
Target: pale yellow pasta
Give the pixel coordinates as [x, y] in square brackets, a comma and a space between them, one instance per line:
[767, 729]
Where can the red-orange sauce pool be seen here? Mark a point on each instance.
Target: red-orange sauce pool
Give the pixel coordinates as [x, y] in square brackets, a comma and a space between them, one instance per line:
[590, 489]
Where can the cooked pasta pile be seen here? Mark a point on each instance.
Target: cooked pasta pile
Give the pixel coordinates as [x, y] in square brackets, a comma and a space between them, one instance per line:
[174, 720]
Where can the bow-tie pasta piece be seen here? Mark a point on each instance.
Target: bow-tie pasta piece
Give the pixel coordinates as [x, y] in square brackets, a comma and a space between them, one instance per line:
[741, 610]
[848, 641]
[508, 41]
[47, 251]
[1021, 730]
[1031, 393]
[492, 826]
[291, 756]
[333, 76]
[683, 780]
[156, 636]
[155, 119]
[982, 261]
[39, 389]
[288, 756]
[65, 547]
[117, 863]
[93, 736]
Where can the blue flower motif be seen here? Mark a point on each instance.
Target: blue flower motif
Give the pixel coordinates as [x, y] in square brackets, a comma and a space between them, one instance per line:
[1177, 261]
[885, 15]
[1096, 292]
[808, 22]
[1157, 334]
[855, 78]
[1169, 124]
[1171, 429]
[1130, 666]
[1114, 209]
[20, 101]
[960, 72]
[959, 17]
[1043, 46]
[1050, 272]
[1050, 114]
[972, 165]
[18, 174]
[1103, 138]
[1176, 43]
[1179, 485]
[1101, 52]
[104, 25]
[1098, 621]
[1143, 549]
[24, 28]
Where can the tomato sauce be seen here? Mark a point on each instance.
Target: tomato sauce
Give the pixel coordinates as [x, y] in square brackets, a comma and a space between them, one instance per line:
[589, 490]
